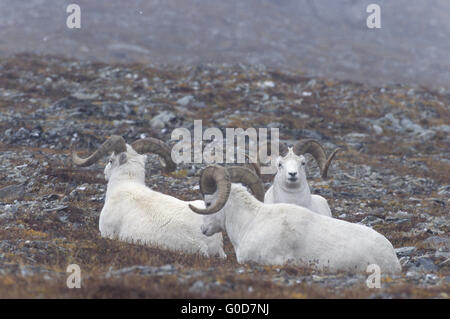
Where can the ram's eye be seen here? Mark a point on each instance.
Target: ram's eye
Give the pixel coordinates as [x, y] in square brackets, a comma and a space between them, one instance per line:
[279, 165]
[303, 163]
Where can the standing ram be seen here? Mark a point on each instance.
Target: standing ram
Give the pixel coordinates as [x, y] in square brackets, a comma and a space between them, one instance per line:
[135, 213]
[277, 234]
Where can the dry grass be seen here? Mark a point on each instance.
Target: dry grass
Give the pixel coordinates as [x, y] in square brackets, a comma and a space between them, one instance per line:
[54, 244]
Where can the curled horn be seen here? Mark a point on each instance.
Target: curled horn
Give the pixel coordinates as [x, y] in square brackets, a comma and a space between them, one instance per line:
[114, 144]
[245, 176]
[317, 151]
[153, 145]
[214, 178]
[255, 166]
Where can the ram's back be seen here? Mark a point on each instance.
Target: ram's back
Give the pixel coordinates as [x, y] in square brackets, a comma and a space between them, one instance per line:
[286, 233]
[138, 214]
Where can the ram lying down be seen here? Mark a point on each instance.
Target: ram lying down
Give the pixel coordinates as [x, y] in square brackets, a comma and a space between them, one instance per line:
[290, 185]
[277, 234]
[135, 213]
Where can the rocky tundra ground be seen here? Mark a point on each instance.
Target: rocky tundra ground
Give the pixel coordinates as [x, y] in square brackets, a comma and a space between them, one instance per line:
[392, 175]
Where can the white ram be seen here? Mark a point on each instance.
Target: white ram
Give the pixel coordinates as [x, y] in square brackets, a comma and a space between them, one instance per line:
[135, 213]
[277, 234]
[290, 184]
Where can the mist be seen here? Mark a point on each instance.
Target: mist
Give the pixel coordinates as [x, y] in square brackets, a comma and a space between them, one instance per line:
[319, 38]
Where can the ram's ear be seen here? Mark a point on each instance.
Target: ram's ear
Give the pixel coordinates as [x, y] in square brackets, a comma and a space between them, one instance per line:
[122, 158]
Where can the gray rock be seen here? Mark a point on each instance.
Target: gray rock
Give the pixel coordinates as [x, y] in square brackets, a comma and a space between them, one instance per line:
[371, 220]
[404, 261]
[199, 104]
[444, 254]
[401, 221]
[133, 269]
[185, 100]
[11, 208]
[240, 270]
[12, 192]
[412, 274]
[445, 263]
[143, 270]
[50, 197]
[431, 278]
[377, 129]
[305, 133]
[355, 137]
[443, 128]
[444, 190]
[438, 241]
[56, 208]
[22, 133]
[6, 215]
[163, 119]
[85, 96]
[192, 171]
[169, 268]
[406, 126]
[405, 251]
[156, 124]
[424, 264]
[197, 286]
[63, 218]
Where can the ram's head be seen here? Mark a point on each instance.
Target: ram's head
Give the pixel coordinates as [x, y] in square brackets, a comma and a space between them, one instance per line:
[215, 186]
[291, 162]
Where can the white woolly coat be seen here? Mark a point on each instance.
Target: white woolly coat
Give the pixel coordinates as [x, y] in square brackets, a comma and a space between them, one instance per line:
[301, 197]
[135, 213]
[277, 234]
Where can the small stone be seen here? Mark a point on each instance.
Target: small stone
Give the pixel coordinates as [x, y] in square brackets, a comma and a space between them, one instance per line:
[167, 268]
[405, 251]
[412, 274]
[377, 129]
[51, 197]
[424, 264]
[12, 192]
[371, 220]
[57, 208]
[436, 242]
[11, 208]
[185, 100]
[156, 123]
[163, 119]
[431, 278]
[197, 286]
[192, 170]
[404, 261]
[266, 84]
[445, 263]
[240, 270]
[84, 96]
[317, 278]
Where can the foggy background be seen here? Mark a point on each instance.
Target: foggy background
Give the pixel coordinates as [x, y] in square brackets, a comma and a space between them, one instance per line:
[320, 38]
